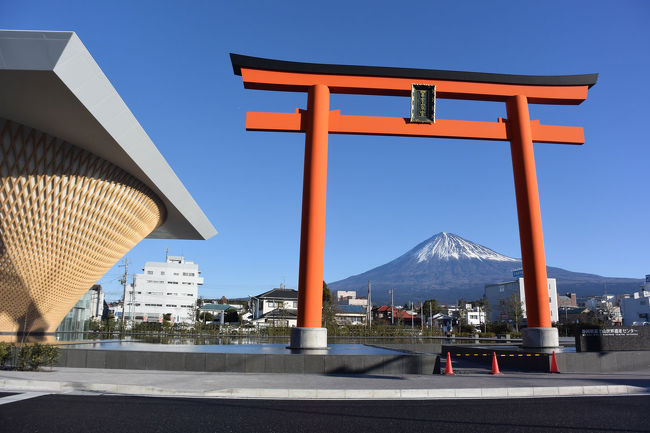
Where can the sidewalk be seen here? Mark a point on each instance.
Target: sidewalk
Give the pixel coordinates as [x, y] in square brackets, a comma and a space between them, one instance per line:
[299, 386]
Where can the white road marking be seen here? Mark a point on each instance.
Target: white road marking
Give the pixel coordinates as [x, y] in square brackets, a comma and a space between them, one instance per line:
[23, 396]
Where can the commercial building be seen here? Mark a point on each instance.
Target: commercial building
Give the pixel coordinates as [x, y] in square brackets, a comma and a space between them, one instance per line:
[169, 287]
[349, 297]
[81, 183]
[500, 298]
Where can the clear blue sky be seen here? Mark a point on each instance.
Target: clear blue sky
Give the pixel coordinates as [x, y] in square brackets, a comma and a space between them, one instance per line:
[169, 62]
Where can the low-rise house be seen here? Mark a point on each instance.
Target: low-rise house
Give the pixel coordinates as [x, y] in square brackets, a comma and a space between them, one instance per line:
[442, 321]
[606, 308]
[277, 307]
[386, 313]
[218, 311]
[278, 317]
[567, 300]
[576, 314]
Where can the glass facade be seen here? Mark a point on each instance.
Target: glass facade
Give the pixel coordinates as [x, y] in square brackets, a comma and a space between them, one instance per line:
[78, 318]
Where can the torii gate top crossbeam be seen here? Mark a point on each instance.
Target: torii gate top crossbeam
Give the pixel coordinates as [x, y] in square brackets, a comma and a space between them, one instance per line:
[267, 74]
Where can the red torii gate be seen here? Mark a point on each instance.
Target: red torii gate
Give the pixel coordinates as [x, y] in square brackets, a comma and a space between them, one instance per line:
[319, 80]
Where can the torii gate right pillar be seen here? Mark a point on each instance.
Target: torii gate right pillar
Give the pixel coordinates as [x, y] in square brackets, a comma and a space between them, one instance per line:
[539, 333]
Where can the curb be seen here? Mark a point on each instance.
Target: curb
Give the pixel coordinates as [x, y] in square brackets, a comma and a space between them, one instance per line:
[326, 394]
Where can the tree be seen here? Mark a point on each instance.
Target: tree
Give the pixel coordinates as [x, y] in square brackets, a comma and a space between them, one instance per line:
[109, 324]
[167, 318]
[515, 310]
[431, 306]
[230, 315]
[329, 312]
[327, 296]
[223, 300]
[206, 316]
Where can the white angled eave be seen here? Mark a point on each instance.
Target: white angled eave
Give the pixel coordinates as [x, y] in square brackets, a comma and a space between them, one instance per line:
[50, 82]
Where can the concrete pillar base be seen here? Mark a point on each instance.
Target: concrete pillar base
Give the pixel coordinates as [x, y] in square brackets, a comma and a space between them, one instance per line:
[540, 337]
[308, 338]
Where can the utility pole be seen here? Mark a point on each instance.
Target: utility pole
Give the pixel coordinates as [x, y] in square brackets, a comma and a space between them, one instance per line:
[392, 307]
[369, 309]
[132, 312]
[123, 281]
[421, 316]
[430, 315]
[412, 316]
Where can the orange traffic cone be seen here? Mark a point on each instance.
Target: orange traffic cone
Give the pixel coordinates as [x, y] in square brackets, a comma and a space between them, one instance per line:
[495, 364]
[449, 371]
[554, 368]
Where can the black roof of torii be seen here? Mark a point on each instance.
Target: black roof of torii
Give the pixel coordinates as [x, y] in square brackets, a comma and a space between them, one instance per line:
[240, 61]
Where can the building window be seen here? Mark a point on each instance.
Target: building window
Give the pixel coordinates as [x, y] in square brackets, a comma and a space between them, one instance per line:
[162, 272]
[149, 272]
[501, 289]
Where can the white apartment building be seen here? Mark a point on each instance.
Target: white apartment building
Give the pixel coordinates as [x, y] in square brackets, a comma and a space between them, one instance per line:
[474, 316]
[167, 287]
[498, 296]
[636, 308]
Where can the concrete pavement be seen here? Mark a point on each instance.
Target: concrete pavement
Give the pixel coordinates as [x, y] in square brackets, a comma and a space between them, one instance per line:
[308, 386]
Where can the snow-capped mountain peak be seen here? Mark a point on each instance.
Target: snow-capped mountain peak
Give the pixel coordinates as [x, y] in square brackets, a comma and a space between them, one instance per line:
[447, 246]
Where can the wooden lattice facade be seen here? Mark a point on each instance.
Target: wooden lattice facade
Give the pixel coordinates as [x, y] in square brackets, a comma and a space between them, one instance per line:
[66, 217]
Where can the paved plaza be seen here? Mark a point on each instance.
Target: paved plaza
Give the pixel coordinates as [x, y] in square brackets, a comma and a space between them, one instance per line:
[475, 384]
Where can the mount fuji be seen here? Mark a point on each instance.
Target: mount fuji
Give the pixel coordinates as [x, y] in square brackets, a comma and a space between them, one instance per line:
[448, 267]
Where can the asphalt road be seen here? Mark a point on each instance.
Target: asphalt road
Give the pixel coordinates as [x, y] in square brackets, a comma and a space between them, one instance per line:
[89, 413]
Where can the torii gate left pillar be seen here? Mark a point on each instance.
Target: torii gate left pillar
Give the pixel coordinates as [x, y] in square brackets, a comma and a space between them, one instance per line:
[516, 91]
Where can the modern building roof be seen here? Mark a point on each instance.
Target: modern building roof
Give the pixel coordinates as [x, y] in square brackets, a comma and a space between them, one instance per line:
[247, 62]
[216, 307]
[278, 313]
[50, 82]
[279, 294]
[351, 309]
